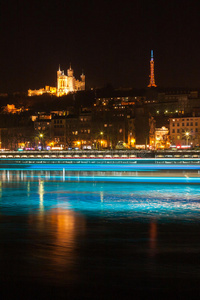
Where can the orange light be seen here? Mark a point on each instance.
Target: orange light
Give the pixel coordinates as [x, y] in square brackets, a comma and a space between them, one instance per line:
[152, 78]
[132, 141]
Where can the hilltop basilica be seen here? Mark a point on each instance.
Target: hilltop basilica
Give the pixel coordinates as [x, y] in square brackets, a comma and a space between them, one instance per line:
[65, 84]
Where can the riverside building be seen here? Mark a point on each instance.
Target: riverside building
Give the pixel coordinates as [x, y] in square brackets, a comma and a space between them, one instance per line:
[185, 131]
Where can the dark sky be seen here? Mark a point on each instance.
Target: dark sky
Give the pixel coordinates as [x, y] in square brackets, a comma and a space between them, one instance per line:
[110, 40]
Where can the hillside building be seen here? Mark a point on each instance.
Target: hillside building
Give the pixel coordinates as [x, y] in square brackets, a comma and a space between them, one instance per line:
[65, 84]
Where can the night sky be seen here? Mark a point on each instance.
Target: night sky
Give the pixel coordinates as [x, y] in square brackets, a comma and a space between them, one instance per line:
[109, 40]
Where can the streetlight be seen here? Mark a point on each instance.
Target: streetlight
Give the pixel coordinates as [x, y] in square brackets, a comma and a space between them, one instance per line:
[132, 142]
[187, 137]
[41, 138]
[101, 142]
[78, 143]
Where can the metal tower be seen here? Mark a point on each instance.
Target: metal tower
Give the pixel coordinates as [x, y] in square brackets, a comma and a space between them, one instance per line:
[152, 78]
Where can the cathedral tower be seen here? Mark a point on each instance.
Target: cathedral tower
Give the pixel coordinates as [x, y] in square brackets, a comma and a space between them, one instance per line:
[59, 73]
[152, 78]
[70, 72]
[82, 82]
[82, 77]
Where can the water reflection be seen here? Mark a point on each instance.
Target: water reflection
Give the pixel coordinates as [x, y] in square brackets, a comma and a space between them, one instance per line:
[60, 229]
[97, 236]
[41, 194]
[112, 200]
[28, 189]
[67, 226]
[153, 238]
[101, 196]
[97, 175]
[0, 189]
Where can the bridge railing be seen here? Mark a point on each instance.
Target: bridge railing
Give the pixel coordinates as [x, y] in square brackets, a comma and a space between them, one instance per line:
[102, 153]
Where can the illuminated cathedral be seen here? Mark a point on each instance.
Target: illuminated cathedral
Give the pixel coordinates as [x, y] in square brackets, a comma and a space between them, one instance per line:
[68, 83]
[65, 84]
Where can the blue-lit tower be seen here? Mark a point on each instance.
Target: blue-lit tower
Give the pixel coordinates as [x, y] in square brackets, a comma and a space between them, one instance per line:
[151, 76]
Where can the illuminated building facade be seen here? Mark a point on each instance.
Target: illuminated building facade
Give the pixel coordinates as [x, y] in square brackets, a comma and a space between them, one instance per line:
[47, 90]
[161, 138]
[152, 78]
[11, 109]
[185, 131]
[68, 83]
[158, 137]
[65, 84]
[58, 131]
[72, 131]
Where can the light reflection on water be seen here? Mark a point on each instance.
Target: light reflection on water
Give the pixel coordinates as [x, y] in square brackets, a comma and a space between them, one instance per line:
[63, 226]
[99, 237]
[112, 200]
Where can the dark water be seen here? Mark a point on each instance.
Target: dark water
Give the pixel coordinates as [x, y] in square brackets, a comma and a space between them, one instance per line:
[71, 240]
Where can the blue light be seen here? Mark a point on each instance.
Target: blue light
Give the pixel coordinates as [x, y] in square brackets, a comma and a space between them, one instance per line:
[115, 170]
[108, 200]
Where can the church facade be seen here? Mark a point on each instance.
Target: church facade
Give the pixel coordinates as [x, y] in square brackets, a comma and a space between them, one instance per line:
[65, 84]
[68, 83]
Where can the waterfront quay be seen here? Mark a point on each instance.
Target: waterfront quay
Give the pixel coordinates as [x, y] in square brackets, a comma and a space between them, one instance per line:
[114, 166]
[102, 154]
